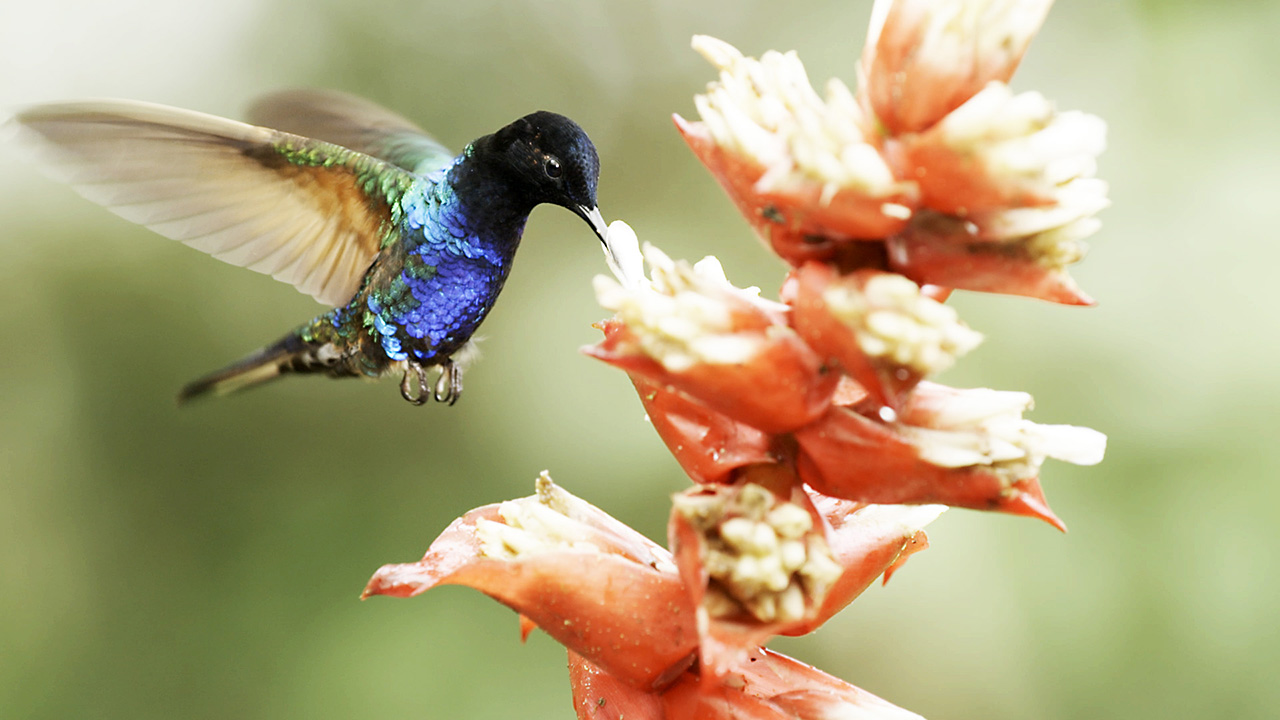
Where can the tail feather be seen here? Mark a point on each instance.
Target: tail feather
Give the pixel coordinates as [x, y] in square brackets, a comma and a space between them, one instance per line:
[290, 354]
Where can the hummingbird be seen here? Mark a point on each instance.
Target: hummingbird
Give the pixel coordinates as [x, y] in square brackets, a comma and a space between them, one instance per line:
[345, 200]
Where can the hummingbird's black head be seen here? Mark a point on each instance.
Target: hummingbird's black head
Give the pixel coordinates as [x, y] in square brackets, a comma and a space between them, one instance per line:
[551, 160]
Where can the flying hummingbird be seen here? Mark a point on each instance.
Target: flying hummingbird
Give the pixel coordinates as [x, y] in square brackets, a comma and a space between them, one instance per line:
[343, 199]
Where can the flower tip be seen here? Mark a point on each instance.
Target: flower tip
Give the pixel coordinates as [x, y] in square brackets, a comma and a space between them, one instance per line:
[1061, 288]
[911, 520]
[918, 516]
[1068, 443]
[694, 133]
[1029, 501]
[917, 542]
[546, 489]
[527, 626]
[717, 52]
[392, 581]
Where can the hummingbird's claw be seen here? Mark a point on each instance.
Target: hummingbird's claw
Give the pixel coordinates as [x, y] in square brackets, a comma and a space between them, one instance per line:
[449, 384]
[413, 375]
[448, 387]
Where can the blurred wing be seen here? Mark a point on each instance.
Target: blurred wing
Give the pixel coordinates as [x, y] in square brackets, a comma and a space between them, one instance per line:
[354, 123]
[306, 212]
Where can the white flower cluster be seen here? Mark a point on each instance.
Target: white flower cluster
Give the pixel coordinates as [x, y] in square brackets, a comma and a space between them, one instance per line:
[1022, 136]
[892, 321]
[1022, 141]
[684, 315]
[767, 110]
[761, 555]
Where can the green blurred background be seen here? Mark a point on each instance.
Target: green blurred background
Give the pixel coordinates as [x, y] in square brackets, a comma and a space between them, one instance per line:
[206, 563]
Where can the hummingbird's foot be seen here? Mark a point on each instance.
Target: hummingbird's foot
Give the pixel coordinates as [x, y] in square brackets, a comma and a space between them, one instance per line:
[449, 384]
[414, 375]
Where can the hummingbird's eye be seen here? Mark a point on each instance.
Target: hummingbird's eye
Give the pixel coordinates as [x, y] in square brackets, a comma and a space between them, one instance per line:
[551, 167]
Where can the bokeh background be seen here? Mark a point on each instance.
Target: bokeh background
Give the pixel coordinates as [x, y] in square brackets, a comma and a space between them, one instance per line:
[206, 562]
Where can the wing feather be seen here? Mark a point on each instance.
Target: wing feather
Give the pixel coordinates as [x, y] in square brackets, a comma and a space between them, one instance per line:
[292, 207]
[355, 123]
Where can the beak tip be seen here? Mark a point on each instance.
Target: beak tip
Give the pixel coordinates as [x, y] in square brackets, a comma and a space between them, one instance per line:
[621, 249]
[593, 217]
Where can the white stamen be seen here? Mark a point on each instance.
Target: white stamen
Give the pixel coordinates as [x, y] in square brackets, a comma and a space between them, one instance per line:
[983, 427]
[553, 520]
[1020, 140]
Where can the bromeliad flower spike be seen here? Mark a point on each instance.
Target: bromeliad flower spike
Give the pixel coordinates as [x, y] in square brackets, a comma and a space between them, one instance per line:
[818, 446]
[346, 201]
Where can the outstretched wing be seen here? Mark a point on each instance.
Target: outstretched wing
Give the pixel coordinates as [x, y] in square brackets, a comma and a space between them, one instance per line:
[307, 212]
[352, 122]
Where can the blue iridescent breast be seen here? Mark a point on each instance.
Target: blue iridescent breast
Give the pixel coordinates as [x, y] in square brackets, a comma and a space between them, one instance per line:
[451, 276]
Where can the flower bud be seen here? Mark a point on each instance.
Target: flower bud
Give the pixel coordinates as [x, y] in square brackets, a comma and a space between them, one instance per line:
[924, 58]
